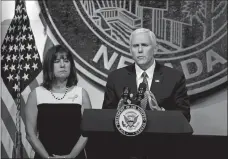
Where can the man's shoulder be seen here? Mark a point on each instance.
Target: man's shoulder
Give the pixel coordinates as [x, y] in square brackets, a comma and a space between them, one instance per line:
[122, 71]
[171, 71]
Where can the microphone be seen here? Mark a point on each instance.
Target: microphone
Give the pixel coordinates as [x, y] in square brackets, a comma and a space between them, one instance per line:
[124, 97]
[126, 94]
[140, 93]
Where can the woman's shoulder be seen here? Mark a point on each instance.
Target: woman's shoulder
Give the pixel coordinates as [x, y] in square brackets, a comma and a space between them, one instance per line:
[80, 90]
[74, 90]
[37, 90]
[40, 89]
[77, 88]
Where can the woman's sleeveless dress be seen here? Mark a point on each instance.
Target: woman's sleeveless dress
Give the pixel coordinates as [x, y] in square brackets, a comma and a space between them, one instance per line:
[58, 121]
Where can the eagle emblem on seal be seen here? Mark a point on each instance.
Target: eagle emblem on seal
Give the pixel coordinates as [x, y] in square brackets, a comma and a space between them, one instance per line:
[129, 121]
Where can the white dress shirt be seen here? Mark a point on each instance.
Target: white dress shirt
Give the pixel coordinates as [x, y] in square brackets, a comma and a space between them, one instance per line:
[149, 72]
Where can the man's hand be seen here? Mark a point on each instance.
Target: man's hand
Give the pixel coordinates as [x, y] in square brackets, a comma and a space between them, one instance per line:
[153, 102]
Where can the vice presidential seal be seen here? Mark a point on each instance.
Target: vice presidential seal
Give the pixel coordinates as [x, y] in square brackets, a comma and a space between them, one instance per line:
[130, 120]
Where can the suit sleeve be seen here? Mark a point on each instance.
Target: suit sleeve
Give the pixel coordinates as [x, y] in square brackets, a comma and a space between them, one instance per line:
[110, 98]
[182, 98]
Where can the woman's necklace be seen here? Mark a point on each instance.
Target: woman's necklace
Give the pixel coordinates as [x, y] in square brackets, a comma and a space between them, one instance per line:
[57, 97]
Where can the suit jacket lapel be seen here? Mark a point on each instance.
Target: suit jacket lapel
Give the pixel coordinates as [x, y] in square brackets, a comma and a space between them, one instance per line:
[157, 79]
[156, 82]
[132, 79]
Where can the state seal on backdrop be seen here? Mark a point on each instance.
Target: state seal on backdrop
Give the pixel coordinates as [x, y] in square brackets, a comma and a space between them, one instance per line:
[192, 36]
[130, 120]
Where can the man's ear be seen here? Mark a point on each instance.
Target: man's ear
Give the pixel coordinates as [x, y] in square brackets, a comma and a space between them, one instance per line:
[130, 50]
[156, 48]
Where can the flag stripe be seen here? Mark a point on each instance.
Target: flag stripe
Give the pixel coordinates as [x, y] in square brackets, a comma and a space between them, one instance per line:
[25, 93]
[25, 142]
[25, 154]
[6, 140]
[7, 98]
[11, 114]
[33, 85]
[39, 78]
[48, 45]
[3, 152]
[8, 121]
[22, 110]
[23, 99]
[10, 126]
[4, 115]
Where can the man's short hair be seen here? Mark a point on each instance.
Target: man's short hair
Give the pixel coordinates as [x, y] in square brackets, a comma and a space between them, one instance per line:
[144, 30]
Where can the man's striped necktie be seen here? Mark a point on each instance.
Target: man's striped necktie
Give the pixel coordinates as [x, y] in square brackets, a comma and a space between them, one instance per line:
[144, 101]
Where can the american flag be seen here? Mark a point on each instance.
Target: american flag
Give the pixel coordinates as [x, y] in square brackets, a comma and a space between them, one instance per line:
[21, 72]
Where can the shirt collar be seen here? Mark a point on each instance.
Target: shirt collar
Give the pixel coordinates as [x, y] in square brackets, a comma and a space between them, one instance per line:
[149, 71]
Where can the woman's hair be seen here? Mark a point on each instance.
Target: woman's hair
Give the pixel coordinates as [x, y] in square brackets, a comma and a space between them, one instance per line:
[48, 67]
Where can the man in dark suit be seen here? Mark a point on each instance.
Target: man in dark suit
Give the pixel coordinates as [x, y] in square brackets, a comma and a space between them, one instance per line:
[166, 84]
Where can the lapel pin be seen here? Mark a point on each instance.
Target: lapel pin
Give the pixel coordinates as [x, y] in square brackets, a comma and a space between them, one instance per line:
[157, 81]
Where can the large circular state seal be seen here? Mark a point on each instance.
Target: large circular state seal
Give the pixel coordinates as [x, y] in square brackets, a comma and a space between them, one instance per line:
[130, 120]
[191, 36]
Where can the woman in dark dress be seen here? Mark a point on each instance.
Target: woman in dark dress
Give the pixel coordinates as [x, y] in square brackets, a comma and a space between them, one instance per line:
[54, 109]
